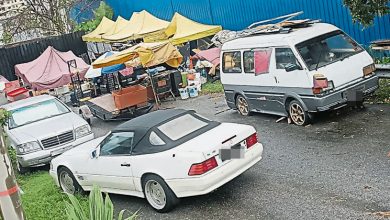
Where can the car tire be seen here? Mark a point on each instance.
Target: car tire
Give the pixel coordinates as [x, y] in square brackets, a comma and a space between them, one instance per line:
[68, 182]
[22, 170]
[297, 113]
[242, 106]
[158, 194]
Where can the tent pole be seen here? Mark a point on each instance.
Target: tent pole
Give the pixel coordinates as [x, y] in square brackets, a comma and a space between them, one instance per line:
[154, 92]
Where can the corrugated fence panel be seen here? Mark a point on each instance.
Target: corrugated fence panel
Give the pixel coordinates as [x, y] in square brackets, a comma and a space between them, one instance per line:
[159, 8]
[191, 9]
[238, 14]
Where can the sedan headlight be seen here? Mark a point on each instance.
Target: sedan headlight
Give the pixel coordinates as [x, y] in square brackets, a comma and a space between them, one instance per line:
[28, 147]
[83, 131]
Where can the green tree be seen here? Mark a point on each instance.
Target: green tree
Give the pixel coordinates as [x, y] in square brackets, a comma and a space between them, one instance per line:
[40, 18]
[103, 10]
[364, 11]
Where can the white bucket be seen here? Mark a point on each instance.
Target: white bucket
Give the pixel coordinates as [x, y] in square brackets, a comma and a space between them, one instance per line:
[193, 91]
[197, 76]
[184, 93]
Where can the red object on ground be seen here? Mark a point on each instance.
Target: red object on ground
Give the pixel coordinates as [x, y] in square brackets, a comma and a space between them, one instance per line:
[18, 94]
[50, 70]
[130, 96]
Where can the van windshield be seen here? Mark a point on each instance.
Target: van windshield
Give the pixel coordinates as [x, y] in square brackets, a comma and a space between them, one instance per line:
[327, 49]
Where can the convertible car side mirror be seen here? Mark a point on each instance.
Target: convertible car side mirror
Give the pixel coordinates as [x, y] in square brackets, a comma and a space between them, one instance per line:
[94, 154]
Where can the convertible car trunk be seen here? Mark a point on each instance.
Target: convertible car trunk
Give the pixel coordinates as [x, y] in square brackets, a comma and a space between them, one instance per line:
[224, 136]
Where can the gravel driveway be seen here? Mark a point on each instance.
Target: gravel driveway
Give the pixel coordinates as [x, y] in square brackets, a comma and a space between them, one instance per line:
[337, 168]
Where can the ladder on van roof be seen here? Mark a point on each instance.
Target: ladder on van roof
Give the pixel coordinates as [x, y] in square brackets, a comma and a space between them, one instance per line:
[285, 25]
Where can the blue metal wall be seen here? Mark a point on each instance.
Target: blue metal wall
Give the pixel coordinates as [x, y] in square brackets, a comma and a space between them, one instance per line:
[238, 14]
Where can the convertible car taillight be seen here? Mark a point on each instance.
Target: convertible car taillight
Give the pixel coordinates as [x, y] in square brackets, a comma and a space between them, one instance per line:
[251, 140]
[204, 167]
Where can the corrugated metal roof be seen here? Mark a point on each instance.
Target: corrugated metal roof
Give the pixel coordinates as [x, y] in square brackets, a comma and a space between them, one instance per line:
[238, 14]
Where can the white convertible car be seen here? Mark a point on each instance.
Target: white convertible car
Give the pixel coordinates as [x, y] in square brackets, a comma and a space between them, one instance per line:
[163, 156]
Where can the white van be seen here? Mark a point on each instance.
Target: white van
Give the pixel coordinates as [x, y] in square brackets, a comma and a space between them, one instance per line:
[307, 70]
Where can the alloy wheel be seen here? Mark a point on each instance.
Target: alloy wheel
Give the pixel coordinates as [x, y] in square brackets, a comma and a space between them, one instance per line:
[66, 182]
[155, 194]
[242, 106]
[297, 114]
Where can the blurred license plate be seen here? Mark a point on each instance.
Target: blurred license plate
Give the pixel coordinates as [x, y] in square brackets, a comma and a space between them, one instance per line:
[354, 95]
[60, 151]
[235, 152]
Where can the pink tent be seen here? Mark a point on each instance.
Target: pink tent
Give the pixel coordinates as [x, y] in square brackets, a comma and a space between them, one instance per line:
[50, 70]
[211, 55]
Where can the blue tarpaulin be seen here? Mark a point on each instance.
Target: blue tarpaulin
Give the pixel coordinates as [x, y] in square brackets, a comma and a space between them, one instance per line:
[92, 73]
[114, 68]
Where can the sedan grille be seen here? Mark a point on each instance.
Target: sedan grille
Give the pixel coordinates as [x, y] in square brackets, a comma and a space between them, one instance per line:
[57, 140]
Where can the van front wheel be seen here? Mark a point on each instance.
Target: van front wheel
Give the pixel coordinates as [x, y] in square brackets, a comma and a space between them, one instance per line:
[297, 113]
[242, 105]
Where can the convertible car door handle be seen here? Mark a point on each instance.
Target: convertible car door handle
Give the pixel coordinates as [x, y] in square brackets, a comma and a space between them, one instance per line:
[125, 165]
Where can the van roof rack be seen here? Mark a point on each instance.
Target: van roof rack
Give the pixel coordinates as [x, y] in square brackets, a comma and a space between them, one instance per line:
[284, 26]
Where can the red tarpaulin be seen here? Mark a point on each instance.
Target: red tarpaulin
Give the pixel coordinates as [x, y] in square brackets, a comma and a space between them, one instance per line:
[50, 70]
[262, 59]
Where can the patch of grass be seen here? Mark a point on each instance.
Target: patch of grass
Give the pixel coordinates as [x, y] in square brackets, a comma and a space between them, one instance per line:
[382, 95]
[12, 156]
[212, 87]
[42, 199]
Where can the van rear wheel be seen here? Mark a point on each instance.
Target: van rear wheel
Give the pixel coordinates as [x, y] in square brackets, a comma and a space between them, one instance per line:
[297, 113]
[242, 105]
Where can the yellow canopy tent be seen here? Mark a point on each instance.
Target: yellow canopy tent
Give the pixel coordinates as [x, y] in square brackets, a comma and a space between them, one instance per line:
[140, 24]
[183, 30]
[151, 24]
[120, 24]
[96, 35]
[128, 31]
[149, 54]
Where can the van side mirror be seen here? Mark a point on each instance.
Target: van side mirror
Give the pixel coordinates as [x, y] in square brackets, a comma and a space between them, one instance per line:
[291, 67]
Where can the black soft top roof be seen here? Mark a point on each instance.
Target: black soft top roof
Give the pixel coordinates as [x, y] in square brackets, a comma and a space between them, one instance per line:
[142, 127]
[148, 121]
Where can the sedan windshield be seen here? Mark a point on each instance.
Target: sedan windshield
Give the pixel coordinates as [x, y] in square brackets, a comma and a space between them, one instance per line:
[35, 112]
[326, 49]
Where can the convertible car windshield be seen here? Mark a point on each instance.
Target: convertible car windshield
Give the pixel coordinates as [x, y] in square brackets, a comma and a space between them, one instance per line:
[181, 126]
[35, 112]
[326, 49]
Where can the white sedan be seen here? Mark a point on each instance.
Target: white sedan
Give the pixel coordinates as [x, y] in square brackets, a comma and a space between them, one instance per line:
[161, 156]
